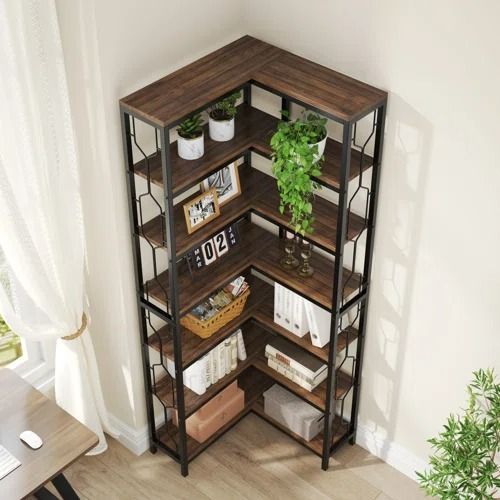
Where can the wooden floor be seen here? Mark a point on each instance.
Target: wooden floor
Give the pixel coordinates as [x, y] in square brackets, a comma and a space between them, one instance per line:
[252, 461]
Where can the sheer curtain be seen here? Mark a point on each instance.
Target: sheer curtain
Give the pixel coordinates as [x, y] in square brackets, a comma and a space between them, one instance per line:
[42, 246]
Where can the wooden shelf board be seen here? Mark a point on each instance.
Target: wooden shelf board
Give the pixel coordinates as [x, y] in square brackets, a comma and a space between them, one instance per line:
[255, 341]
[253, 383]
[193, 347]
[264, 314]
[254, 129]
[317, 397]
[259, 194]
[316, 444]
[261, 250]
[188, 89]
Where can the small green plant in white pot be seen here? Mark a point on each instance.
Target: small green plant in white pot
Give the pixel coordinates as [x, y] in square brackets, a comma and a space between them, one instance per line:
[466, 463]
[190, 144]
[221, 118]
[297, 158]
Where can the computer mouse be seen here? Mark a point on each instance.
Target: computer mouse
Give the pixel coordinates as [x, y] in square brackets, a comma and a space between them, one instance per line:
[33, 440]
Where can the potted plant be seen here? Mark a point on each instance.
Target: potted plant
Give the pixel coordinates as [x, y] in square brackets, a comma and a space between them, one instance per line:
[466, 463]
[190, 145]
[221, 118]
[297, 157]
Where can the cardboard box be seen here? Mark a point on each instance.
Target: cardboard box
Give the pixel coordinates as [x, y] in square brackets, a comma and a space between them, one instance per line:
[290, 411]
[214, 414]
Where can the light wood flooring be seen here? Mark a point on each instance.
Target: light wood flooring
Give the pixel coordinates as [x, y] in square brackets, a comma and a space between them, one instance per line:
[252, 461]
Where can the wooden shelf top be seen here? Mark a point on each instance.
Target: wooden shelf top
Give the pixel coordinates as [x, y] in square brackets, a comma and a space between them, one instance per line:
[248, 59]
[258, 194]
[261, 250]
[254, 129]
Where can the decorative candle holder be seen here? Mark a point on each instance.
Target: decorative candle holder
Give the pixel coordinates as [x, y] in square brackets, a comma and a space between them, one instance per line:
[305, 270]
[289, 261]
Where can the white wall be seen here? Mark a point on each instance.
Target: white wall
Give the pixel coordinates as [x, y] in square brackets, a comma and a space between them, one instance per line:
[112, 48]
[435, 302]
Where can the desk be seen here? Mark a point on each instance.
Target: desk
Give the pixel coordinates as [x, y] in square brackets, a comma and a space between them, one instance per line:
[64, 440]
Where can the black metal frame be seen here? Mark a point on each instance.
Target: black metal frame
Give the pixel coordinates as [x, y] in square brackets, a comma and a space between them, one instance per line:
[340, 307]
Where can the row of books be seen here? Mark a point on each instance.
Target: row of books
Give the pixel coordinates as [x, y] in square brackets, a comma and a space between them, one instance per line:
[295, 364]
[215, 365]
[300, 316]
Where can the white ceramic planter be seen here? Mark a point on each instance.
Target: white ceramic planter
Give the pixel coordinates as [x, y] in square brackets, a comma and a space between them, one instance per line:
[321, 148]
[191, 149]
[221, 130]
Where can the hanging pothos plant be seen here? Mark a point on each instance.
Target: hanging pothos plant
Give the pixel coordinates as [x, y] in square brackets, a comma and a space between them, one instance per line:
[295, 164]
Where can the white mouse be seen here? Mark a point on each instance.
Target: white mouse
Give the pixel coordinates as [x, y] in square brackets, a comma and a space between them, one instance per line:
[33, 440]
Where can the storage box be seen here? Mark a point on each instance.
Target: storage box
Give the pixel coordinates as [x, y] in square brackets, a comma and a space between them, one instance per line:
[290, 411]
[214, 414]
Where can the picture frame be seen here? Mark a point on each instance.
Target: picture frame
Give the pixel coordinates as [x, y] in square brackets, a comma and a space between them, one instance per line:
[226, 181]
[201, 209]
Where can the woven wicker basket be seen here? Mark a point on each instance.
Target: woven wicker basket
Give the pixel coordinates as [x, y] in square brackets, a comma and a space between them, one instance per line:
[205, 329]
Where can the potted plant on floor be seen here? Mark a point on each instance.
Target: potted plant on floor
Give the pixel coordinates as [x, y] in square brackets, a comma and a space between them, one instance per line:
[467, 459]
[221, 118]
[297, 153]
[190, 144]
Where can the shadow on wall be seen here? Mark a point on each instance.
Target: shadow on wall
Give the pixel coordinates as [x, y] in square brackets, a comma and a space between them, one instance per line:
[407, 147]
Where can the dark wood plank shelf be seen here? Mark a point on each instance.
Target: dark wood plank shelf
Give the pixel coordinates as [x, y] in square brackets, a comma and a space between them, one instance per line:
[259, 194]
[254, 129]
[193, 347]
[264, 314]
[261, 250]
[248, 59]
[317, 288]
[255, 341]
[252, 382]
[317, 397]
[316, 444]
[247, 64]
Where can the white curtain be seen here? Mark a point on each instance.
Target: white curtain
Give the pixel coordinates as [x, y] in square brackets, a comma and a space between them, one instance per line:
[42, 246]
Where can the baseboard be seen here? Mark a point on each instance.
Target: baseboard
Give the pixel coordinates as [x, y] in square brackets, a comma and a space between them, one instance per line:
[137, 441]
[390, 452]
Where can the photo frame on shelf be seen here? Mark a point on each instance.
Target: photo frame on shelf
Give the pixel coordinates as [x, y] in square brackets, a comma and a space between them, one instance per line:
[210, 250]
[226, 182]
[201, 209]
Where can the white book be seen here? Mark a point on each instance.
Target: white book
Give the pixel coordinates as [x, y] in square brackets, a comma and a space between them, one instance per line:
[319, 324]
[278, 305]
[300, 325]
[242, 352]
[214, 372]
[208, 371]
[287, 309]
[296, 376]
[195, 376]
[227, 352]
[322, 368]
[234, 352]
[221, 360]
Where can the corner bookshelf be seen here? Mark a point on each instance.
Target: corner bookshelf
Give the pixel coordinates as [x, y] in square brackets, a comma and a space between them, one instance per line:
[158, 181]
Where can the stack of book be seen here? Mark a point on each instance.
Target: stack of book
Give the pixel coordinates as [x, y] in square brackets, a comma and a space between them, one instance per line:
[300, 316]
[215, 365]
[295, 364]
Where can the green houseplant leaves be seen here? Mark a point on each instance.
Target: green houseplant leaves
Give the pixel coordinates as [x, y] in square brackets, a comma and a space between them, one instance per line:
[294, 166]
[191, 127]
[466, 462]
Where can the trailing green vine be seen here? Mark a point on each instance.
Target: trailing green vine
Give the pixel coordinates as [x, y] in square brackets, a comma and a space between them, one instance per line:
[295, 165]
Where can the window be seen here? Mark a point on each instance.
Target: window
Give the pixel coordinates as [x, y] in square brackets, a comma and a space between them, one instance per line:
[11, 347]
[34, 361]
